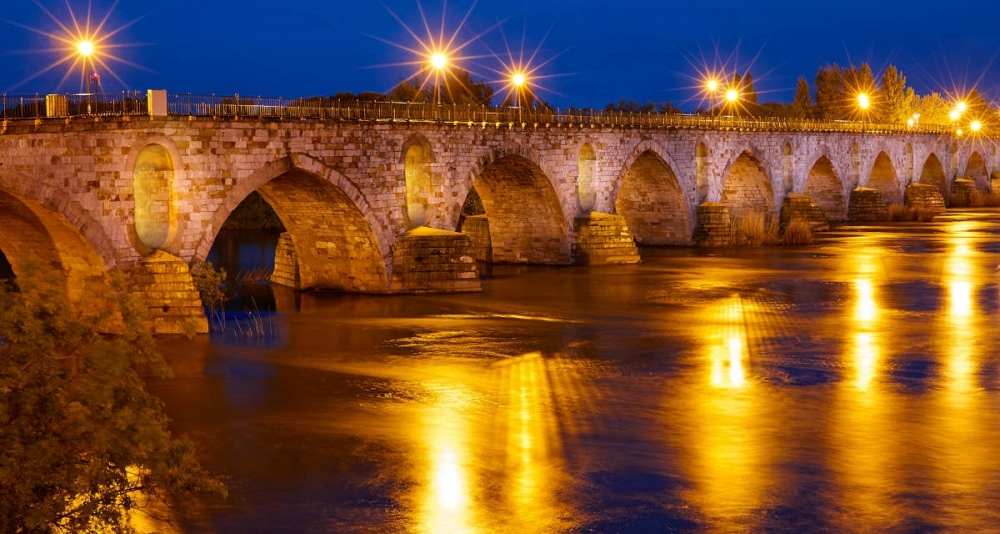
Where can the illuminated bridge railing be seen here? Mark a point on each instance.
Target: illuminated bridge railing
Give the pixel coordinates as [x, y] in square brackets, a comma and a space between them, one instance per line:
[237, 106]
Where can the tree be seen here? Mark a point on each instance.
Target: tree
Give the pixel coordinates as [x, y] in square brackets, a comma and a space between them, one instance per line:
[83, 443]
[932, 108]
[748, 92]
[896, 100]
[802, 103]
[460, 88]
[829, 92]
[410, 91]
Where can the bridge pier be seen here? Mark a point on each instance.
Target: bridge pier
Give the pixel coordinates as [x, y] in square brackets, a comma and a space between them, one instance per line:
[866, 205]
[164, 283]
[428, 260]
[603, 239]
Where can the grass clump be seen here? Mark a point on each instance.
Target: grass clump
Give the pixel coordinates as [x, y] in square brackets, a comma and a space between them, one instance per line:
[798, 232]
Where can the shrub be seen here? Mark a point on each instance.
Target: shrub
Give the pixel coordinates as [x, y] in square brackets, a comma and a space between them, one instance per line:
[798, 232]
[753, 228]
[900, 213]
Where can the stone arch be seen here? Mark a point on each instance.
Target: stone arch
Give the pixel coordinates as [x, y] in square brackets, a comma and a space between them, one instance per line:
[526, 219]
[824, 186]
[340, 246]
[976, 170]
[417, 159]
[747, 186]
[787, 166]
[883, 177]
[565, 191]
[653, 203]
[585, 177]
[933, 173]
[53, 200]
[31, 233]
[701, 163]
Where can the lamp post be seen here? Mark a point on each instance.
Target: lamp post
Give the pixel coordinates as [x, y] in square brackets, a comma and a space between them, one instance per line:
[439, 61]
[86, 49]
[712, 88]
[864, 102]
[518, 80]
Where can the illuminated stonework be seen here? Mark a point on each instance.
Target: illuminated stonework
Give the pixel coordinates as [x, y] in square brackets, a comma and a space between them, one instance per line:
[153, 179]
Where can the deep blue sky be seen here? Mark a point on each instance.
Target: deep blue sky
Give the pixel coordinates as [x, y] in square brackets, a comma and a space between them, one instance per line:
[607, 50]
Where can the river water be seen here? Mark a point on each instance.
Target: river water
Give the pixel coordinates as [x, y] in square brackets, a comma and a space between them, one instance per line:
[848, 386]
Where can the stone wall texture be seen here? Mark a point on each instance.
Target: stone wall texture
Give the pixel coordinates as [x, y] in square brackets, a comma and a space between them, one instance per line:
[340, 187]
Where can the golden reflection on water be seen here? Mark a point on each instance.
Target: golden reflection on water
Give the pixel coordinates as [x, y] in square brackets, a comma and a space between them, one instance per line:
[861, 435]
[467, 465]
[730, 467]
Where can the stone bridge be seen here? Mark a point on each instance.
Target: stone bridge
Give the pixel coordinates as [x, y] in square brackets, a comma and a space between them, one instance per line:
[377, 206]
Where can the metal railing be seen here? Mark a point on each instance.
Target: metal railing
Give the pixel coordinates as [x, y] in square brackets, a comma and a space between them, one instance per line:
[72, 105]
[238, 106]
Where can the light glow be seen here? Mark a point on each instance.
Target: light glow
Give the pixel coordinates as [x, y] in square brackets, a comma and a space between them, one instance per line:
[712, 85]
[732, 95]
[85, 48]
[439, 60]
[518, 79]
[863, 101]
[975, 126]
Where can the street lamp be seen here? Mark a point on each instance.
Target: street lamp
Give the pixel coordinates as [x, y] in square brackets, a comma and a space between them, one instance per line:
[439, 61]
[975, 126]
[864, 102]
[518, 80]
[86, 49]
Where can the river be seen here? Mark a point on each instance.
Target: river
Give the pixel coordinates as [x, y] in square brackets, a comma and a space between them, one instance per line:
[852, 385]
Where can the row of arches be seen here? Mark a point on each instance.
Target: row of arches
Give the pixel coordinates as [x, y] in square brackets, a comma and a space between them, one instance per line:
[342, 245]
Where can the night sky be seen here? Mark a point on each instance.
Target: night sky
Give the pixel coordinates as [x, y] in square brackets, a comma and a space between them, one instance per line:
[598, 50]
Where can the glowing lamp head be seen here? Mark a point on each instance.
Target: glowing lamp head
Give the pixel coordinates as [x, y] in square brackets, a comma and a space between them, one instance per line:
[954, 114]
[439, 60]
[909, 122]
[863, 101]
[85, 48]
[975, 126]
[961, 106]
[732, 95]
[518, 79]
[712, 85]
[959, 132]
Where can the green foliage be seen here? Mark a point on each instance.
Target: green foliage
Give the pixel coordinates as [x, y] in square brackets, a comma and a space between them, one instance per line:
[829, 92]
[254, 213]
[802, 103]
[83, 442]
[895, 97]
[210, 282]
[631, 106]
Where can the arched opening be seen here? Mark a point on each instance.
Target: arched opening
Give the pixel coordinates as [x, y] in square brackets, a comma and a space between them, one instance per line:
[883, 178]
[933, 173]
[747, 187]
[976, 170]
[701, 170]
[908, 162]
[417, 164]
[328, 243]
[653, 204]
[246, 248]
[153, 180]
[787, 163]
[586, 173]
[33, 237]
[825, 188]
[524, 217]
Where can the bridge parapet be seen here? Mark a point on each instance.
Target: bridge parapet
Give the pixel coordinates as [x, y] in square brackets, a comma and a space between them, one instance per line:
[319, 108]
